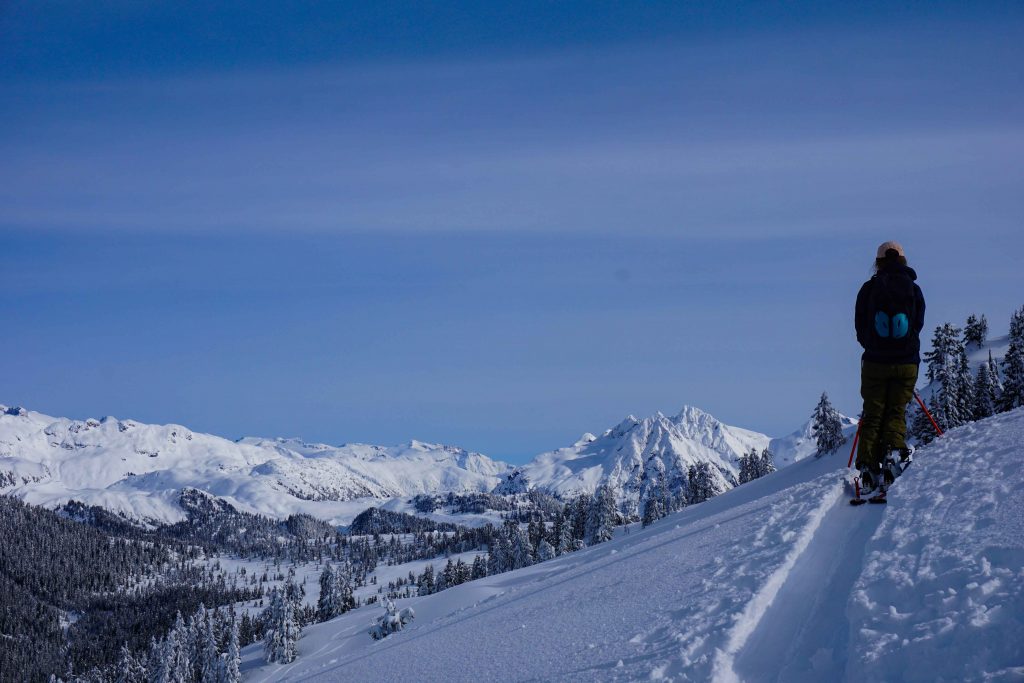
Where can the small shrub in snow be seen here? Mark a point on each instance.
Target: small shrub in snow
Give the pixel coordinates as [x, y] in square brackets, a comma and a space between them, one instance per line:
[391, 621]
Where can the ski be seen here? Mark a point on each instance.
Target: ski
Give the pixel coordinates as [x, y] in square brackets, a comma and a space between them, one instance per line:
[857, 500]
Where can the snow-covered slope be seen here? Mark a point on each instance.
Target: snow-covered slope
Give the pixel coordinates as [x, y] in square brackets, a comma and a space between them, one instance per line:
[779, 579]
[638, 451]
[139, 469]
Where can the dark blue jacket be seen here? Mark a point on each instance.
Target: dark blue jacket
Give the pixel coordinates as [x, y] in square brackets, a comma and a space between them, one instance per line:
[864, 323]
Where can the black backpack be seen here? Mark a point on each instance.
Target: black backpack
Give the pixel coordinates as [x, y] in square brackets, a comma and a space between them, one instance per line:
[893, 308]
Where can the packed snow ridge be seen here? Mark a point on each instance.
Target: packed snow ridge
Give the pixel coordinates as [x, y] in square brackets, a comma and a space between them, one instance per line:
[776, 580]
[140, 469]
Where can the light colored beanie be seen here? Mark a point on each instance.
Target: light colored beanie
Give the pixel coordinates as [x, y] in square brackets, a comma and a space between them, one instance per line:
[886, 246]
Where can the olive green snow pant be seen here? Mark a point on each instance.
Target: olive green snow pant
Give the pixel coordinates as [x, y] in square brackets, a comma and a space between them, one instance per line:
[886, 390]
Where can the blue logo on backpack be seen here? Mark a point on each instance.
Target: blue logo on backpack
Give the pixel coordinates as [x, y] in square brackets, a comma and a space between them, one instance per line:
[898, 326]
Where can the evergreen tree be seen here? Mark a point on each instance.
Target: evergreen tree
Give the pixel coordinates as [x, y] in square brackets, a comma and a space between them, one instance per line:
[344, 586]
[748, 467]
[499, 553]
[826, 426]
[766, 463]
[180, 646]
[545, 551]
[129, 669]
[427, 583]
[701, 482]
[1013, 365]
[282, 630]
[566, 542]
[657, 501]
[231, 661]
[521, 551]
[976, 330]
[949, 369]
[653, 508]
[580, 511]
[602, 516]
[206, 657]
[479, 570]
[327, 604]
[161, 655]
[984, 393]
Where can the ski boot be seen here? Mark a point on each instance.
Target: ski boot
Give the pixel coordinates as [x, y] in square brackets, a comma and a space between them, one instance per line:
[871, 479]
[896, 463]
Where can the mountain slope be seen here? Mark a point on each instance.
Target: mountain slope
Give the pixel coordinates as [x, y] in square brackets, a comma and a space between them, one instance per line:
[779, 579]
[140, 469]
[637, 452]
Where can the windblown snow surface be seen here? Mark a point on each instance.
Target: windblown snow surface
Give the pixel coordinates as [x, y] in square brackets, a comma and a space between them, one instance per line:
[776, 580]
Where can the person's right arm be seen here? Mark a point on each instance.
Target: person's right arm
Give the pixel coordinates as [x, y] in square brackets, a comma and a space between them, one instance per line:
[860, 316]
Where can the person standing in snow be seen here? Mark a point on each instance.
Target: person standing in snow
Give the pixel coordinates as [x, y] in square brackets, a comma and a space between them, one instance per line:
[889, 317]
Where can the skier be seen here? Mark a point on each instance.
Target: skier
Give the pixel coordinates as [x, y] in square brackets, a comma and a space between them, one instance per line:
[889, 318]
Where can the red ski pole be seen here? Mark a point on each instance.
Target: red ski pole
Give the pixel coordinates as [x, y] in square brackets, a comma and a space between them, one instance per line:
[934, 423]
[854, 449]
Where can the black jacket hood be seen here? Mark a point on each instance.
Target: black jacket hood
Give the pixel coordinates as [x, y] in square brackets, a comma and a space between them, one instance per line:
[900, 268]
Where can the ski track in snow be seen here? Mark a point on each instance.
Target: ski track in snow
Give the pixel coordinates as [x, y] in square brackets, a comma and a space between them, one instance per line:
[701, 570]
[750, 620]
[945, 572]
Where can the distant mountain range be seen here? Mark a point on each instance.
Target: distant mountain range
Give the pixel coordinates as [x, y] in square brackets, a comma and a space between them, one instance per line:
[139, 470]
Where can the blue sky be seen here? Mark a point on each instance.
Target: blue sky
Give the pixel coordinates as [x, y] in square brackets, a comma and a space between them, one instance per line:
[495, 226]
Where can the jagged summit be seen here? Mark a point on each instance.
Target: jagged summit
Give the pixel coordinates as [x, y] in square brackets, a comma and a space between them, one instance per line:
[638, 451]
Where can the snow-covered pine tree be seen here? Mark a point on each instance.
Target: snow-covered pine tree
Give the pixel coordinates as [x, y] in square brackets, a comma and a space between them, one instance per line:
[948, 367]
[327, 605]
[479, 570]
[766, 463]
[535, 532]
[279, 643]
[653, 508]
[206, 647]
[463, 572]
[392, 621]
[975, 331]
[498, 553]
[656, 500]
[344, 586]
[545, 551]
[161, 655]
[426, 581]
[129, 669]
[1013, 365]
[521, 552]
[700, 482]
[984, 393]
[178, 639]
[747, 467]
[602, 516]
[580, 512]
[827, 426]
[231, 661]
[566, 542]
